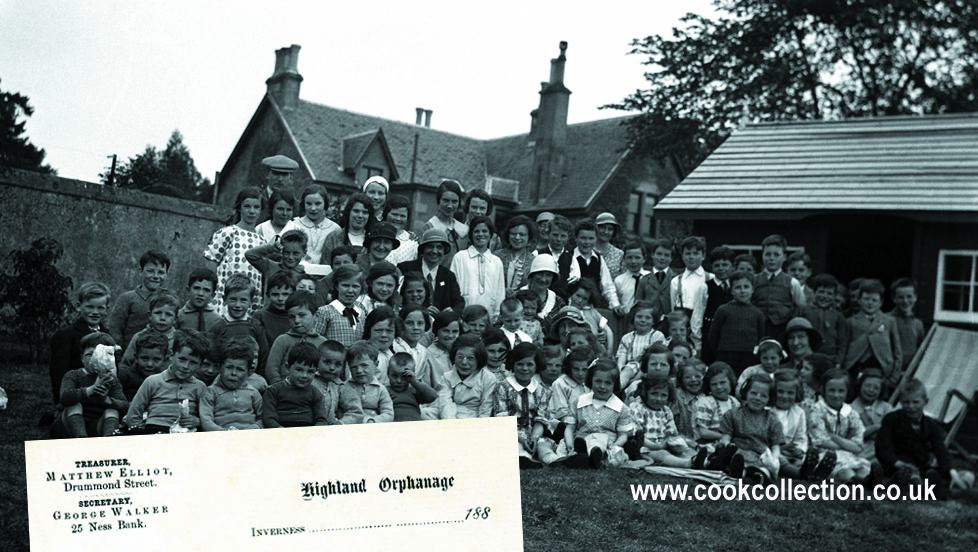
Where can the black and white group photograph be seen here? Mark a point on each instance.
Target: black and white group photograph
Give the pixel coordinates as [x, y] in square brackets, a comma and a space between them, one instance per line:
[716, 261]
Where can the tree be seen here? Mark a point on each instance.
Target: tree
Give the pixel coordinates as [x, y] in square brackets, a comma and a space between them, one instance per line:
[170, 172]
[16, 150]
[771, 60]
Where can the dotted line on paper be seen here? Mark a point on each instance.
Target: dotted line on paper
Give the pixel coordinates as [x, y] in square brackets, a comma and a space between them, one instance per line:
[384, 526]
[107, 494]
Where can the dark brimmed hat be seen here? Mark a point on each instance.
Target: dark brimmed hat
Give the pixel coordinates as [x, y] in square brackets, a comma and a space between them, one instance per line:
[573, 314]
[383, 230]
[796, 324]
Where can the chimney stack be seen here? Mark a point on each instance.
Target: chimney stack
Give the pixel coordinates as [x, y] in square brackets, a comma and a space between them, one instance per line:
[284, 83]
[548, 129]
[419, 112]
[427, 118]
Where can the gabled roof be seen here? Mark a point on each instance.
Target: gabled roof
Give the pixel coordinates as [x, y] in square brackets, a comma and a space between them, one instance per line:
[594, 151]
[320, 131]
[355, 148]
[906, 163]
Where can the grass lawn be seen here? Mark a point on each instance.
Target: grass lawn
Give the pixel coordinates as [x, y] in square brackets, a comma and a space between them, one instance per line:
[589, 510]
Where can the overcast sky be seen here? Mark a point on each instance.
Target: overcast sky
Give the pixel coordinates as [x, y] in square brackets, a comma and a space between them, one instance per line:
[111, 77]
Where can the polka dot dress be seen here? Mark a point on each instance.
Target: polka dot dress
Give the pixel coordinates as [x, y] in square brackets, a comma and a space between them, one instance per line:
[227, 249]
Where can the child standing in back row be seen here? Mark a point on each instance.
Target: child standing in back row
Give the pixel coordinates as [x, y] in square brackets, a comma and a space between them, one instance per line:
[130, 314]
[688, 290]
[776, 293]
[737, 325]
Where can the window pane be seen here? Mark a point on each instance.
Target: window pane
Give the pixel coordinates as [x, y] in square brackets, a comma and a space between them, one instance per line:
[955, 298]
[957, 268]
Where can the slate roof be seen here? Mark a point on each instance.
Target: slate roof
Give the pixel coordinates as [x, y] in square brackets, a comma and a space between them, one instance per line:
[906, 163]
[594, 151]
[320, 131]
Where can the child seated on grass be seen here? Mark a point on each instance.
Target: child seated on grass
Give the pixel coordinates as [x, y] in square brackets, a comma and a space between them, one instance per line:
[406, 392]
[158, 405]
[379, 330]
[657, 434]
[771, 355]
[468, 388]
[293, 402]
[531, 324]
[299, 307]
[675, 326]
[657, 359]
[755, 432]
[230, 403]
[91, 396]
[710, 408]
[794, 422]
[342, 402]
[274, 319]
[197, 313]
[152, 350]
[634, 344]
[254, 379]
[210, 365]
[689, 386]
[554, 357]
[162, 320]
[239, 295]
[518, 395]
[598, 425]
[871, 409]
[361, 357]
[834, 427]
[497, 351]
[910, 445]
[92, 306]
[681, 350]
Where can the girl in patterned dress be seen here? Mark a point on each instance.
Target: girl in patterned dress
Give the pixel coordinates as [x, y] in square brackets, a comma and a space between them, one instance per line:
[689, 385]
[521, 396]
[634, 344]
[755, 431]
[835, 427]
[660, 439]
[598, 425]
[225, 254]
[870, 386]
[380, 287]
[709, 408]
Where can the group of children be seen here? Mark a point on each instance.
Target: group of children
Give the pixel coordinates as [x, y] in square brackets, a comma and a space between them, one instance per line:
[709, 377]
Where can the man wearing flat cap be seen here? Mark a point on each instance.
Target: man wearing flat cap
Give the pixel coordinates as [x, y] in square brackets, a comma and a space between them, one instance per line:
[278, 174]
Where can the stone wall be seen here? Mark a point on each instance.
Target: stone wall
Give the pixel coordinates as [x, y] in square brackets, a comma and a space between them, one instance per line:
[105, 230]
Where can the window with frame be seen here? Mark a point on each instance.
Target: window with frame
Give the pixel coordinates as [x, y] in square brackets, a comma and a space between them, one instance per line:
[373, 171]
[957, 287]
[640, 212]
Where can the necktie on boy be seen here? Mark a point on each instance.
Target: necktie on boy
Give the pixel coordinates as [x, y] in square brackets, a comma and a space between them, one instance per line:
[660, 276]
[638, 278]
[200, 320]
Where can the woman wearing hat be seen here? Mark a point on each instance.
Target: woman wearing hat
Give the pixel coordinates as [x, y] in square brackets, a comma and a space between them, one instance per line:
[448, 197]
[357, 219]
[520, 236]
[608, 228]
[478, 271]
[800, 340]
[377, 246]
[543, 271]
[564, 320]
[445, 291]
[377, 188]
